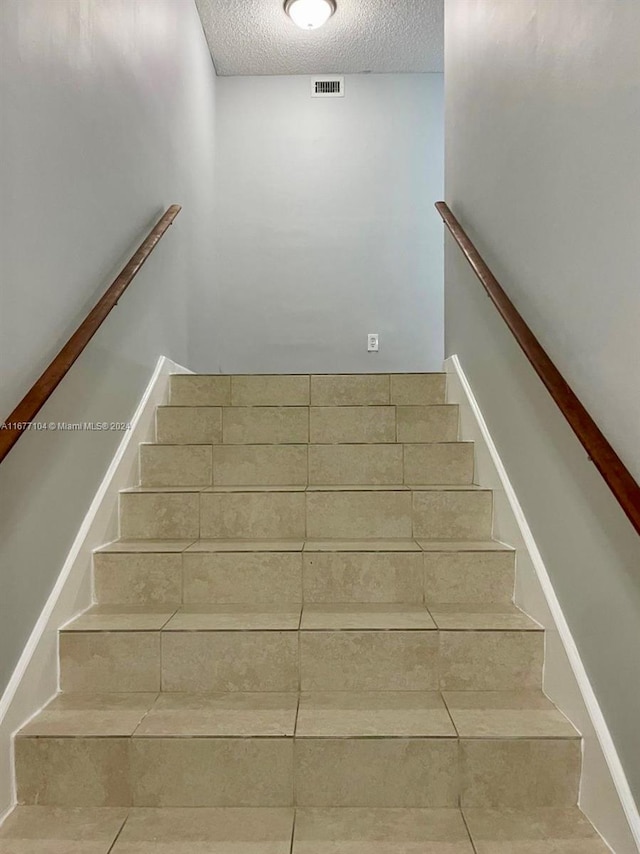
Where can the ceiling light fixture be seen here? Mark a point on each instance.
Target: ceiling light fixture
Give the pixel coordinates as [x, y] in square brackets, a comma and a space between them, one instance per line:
[310, 14]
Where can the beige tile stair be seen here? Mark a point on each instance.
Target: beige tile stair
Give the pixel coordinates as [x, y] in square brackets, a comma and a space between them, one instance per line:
[51, 830]
[355, 646]
[299, 512]
[124, 749]
[303, 641]
[368, 677]
[305, 390]
[299, 465]
[287, 425]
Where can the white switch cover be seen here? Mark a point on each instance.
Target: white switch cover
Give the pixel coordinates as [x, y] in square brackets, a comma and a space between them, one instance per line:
[372, 342]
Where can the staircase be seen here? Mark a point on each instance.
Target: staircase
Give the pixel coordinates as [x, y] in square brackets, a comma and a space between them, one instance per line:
[303, 641]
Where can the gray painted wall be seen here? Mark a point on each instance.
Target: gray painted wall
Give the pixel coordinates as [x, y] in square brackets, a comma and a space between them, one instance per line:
[107, 117]
[543, 170]
[325, 228]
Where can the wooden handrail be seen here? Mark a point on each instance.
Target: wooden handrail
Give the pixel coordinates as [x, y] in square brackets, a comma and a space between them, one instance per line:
[600, 452]
[41, 390]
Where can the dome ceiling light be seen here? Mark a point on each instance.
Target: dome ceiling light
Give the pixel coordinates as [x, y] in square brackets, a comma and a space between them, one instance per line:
[310, 14]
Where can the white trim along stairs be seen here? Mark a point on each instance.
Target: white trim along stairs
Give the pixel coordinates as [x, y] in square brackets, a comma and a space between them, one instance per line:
[301, 638]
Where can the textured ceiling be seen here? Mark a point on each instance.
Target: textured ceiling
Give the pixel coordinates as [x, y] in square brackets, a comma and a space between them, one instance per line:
[256, 37]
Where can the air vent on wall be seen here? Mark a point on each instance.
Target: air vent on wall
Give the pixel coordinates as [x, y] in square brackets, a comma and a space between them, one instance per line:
[327, 87]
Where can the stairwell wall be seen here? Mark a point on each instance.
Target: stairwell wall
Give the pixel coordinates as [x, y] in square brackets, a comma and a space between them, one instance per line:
[543, 171]
[107, 117]
[325, 228]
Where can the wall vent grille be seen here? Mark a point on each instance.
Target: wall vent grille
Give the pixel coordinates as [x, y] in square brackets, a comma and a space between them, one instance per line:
[327, 87]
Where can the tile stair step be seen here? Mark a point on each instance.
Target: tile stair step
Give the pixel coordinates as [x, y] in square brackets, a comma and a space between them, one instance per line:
[263, 488]
[296, 425]
[430, 512]
[320, 647]
[306, 389]
[133, 546]
[301, 831]
[296, 616]
[223, 572]
[166, 465]
[265, 771]
[328, 742]
[389, 714]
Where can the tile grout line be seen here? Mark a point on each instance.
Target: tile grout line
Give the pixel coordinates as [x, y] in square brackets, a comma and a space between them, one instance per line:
[181, 558]
[119, 833]
[464, 820]
[446, 705]
[293, 740]
[295, 724]
[404, 465]
[293, 826]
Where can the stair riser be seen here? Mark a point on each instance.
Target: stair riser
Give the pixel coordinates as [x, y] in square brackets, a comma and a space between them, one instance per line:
[362, 577]
[314, 577]
[302, 390]
[294, 465]
[469, 577]
[440, 514]
[290, 425]
[206, 661]
[418, 661]
[254, 578]
[155, 771]
[341, 772]
[138, 579]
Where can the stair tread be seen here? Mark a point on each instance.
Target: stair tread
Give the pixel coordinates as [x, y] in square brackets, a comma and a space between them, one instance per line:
[311, 545]
[324, 830]
[281, 617]
[146, 490]
[264, 830]
[256, 488]
[358, 487]
[392, 545]
[563, 831]
[218, 715]
[332, 487]
[463, 545]
[480, 616]
[62, 830]
[271, 374]
[125, 546]
[367, 616]
[288, 445]
[502, 714]
[316, 714]
[349, 404]
[393, 714]
[90, 714]
[308, 617]
[114, 618]
[246, 546]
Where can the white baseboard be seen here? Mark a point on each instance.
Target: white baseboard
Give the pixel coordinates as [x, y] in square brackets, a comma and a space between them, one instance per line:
[605, 796]
[36, 676]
